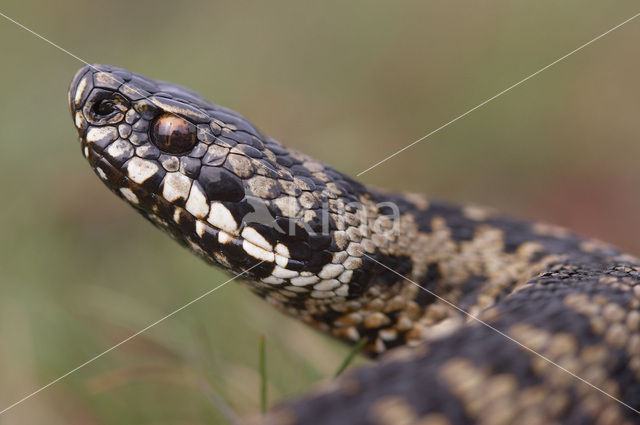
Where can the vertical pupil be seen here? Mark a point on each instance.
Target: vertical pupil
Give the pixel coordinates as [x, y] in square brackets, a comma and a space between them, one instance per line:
[165, 130]
[173, 134]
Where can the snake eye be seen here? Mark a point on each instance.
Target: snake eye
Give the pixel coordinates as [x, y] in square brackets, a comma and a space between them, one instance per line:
[173, 134]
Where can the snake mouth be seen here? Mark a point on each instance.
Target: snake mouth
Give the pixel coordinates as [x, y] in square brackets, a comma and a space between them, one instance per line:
[218, 241]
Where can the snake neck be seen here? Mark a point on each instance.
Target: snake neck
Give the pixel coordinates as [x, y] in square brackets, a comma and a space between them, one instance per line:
[417, 257]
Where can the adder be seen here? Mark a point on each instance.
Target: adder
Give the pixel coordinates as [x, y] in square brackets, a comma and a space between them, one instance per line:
[477, 318]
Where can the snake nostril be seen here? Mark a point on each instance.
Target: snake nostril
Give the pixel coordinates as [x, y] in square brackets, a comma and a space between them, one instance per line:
[104, 107]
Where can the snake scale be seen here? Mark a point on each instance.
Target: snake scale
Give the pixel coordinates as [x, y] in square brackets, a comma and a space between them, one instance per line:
[546, 324]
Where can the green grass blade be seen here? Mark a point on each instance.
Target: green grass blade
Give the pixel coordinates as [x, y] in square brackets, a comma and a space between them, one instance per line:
[262, 366]
[350, 357]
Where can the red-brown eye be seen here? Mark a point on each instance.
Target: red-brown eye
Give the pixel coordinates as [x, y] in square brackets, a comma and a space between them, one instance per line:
[173, 134]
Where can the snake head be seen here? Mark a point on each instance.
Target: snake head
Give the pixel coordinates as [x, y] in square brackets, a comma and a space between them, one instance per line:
[209, 178]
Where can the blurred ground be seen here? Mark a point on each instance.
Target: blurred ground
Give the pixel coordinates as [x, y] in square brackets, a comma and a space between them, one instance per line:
[348, 83]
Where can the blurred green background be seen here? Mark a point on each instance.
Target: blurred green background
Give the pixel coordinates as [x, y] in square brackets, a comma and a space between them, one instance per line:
[346, 82]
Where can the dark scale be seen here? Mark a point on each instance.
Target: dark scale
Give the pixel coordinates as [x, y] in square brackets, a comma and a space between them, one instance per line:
[430, 282]
[225, 142]
[220, 185]
[190, 167]
[215, 157]
[210, 240]
[186, 223]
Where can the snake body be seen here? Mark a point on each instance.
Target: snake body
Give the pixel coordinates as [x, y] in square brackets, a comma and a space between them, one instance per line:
[487, 319]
